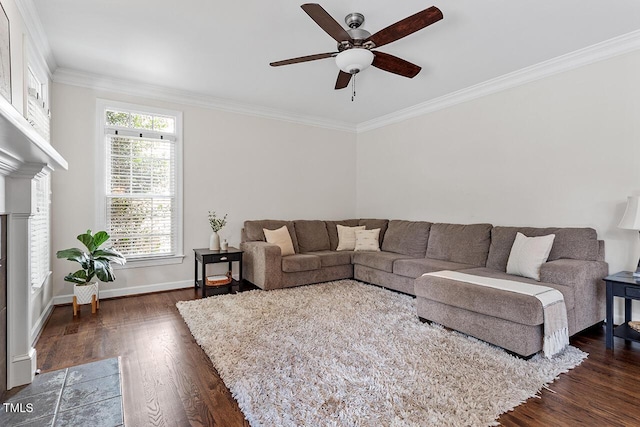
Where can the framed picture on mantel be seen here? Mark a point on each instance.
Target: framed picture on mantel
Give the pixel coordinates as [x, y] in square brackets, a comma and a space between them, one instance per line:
[5, 56]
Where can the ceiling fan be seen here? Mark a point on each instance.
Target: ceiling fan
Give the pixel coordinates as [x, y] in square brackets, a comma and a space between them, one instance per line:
[355, 44]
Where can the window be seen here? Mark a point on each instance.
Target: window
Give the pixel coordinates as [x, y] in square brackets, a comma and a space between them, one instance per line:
[140, 160]
[37, 105]
[40, 228]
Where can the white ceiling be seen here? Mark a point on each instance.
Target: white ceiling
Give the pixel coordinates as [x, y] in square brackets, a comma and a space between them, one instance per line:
[222, 49]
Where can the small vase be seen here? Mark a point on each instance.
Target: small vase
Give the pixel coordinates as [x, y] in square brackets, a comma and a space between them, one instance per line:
[214, 241]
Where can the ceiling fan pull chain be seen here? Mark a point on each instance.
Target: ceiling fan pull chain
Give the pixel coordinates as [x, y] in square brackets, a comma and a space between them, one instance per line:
[353, 88]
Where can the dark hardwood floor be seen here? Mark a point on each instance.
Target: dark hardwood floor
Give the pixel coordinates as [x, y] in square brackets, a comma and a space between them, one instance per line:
[169, 381]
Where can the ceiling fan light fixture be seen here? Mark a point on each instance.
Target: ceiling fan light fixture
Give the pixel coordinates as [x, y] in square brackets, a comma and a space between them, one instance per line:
[354, 60]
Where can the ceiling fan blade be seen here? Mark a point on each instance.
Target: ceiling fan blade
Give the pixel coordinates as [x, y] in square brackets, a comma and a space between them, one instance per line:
[343, 80]
[395, 65]
[303, 59]
[407, 26]
[326, 22]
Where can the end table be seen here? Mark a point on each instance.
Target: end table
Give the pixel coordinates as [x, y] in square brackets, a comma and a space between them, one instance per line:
[623, 285]
[208, 256]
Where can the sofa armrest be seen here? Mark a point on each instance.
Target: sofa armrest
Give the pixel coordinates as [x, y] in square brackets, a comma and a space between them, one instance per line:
[586, 279]
[262, 264]
[572, 272]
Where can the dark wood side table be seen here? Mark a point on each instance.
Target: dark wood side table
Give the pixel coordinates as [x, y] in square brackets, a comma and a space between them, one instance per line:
[207, 256]
[623, 285]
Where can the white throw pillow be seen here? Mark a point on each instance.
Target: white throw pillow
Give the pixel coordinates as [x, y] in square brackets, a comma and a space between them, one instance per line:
[347, 237]
[367, 240]
[528, 254]
[280, 237]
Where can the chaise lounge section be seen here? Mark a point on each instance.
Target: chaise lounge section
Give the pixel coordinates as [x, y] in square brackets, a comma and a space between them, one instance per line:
[409, 249]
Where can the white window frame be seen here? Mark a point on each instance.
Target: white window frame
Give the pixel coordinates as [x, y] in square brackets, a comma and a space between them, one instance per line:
[100, 167]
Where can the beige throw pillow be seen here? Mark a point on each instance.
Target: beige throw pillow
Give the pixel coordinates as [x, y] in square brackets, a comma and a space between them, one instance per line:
[280, 237]
[367, 240]
[528, 254]
[347, 237]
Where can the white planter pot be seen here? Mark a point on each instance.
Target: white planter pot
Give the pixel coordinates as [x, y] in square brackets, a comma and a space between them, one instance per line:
[84, 293]
[214, 241]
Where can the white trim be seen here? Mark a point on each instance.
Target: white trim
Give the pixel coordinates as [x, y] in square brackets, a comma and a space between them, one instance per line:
[127, 87]
[39, 324]
[100, 218]
[36, 33]
[149, 262]
[134, 290]
[589, 55]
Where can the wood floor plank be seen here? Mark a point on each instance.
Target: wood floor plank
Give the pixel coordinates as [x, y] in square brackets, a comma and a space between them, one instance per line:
[169, 381]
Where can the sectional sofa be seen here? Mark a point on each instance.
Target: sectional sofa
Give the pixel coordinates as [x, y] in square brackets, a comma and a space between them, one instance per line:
[410, 249]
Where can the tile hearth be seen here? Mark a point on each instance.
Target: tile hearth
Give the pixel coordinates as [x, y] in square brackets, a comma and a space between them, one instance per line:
[82, 395]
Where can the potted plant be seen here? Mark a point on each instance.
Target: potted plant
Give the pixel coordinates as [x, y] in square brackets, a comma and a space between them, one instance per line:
[94, 262]
[216, 225]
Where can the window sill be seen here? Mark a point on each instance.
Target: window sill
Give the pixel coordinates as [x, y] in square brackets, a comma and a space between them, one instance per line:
[149, 262]
[37, 287]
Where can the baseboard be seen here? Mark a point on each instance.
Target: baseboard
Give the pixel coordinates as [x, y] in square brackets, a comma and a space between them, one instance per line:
[37, 328]
[134, 290]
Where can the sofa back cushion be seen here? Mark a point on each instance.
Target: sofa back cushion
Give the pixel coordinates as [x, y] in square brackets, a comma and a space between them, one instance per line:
[253, 230]
[312, 235]
[569, 243]
[407, 238]
[463, 243]
[333, 232]
[372, 224]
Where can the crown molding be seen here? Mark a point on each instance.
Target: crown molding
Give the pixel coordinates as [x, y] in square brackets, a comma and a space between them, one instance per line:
[591, 54]
[37, 34]
[160, 93]
[597, 52]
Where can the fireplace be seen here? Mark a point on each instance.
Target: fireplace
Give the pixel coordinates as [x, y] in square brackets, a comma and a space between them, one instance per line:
[24, 155]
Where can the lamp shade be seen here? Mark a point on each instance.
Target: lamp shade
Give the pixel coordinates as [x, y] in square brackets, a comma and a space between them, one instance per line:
[631, 218]
[354, 60]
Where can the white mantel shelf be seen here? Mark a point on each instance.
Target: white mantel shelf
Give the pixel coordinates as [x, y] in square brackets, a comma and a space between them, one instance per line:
[20, 142]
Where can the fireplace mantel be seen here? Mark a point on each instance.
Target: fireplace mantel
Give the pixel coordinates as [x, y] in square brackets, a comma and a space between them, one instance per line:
[24, 155]
[20, 143]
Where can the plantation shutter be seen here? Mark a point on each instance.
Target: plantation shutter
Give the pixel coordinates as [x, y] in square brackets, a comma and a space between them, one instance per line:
[40, 232]
[141, 193]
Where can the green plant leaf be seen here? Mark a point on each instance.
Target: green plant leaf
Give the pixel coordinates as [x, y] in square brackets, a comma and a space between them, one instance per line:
[73, 254]
[104, 271]
[87, 240]
[111, 255]
[79, 277]
[99, 238]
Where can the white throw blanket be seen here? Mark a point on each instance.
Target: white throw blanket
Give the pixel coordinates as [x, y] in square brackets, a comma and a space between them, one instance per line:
[556, 331]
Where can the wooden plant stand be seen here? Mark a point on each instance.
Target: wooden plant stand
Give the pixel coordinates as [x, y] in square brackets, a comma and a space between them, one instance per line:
[95, 305]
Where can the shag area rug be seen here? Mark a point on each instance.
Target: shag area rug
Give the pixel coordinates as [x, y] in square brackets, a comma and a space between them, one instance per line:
[348, 354]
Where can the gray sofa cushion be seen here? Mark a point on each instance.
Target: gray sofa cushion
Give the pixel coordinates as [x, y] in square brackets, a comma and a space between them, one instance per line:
[568, 292]
[333, 230]
[312, 235]
[463, 243]
[378, 260]
[569, 243]
[417, 267]
[512, 306]
[300, 262]
[372, 224]
[407, 238]
[253, 230]
[333, 258]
